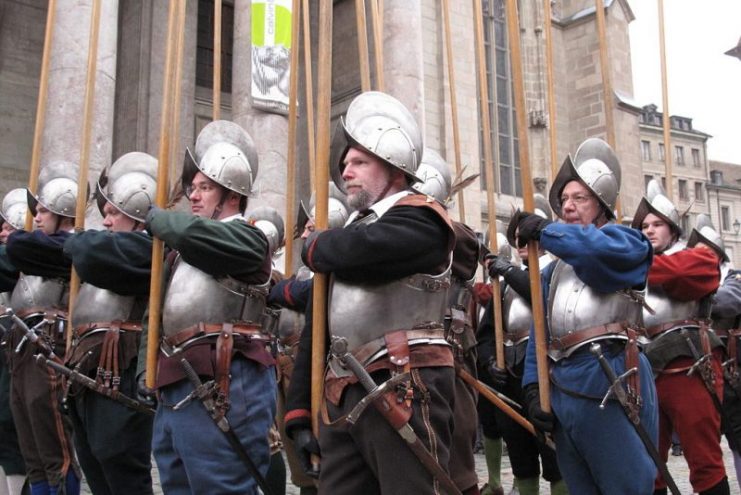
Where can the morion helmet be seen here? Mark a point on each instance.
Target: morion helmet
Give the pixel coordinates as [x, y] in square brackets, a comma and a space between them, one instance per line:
[435, 177]
[656, 202]
[129, 184]
[597, 167]
[705, 232]
[269, 221]
[15, 207]
[57, 189]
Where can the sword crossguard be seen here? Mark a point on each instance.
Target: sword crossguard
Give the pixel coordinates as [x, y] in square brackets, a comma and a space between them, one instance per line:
[702, 365]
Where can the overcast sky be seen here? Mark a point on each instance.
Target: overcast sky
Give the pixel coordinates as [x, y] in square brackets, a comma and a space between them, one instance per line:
[704, 84]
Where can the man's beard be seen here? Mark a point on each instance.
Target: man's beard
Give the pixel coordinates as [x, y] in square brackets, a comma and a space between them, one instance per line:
[361, 200]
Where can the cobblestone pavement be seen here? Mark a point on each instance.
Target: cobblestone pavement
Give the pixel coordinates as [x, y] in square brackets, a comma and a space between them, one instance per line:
[677, 466]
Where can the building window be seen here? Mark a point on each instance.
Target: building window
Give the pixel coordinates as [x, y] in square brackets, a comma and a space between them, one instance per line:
[661, 152]
[646, 151]
[725, 218]
[683, 192]
[696, 157]
[646, 180]
[699, 192]
[679, 155]
[663, 183]
[501, 104]
[205, 50]
[684, 223]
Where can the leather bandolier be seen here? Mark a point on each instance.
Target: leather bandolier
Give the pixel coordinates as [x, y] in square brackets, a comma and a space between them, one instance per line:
[34, 299]
[107, 331]
[231, 313]
[579, 315]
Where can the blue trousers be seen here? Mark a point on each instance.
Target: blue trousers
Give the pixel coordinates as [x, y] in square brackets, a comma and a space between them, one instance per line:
[598, 450]
[194, 456]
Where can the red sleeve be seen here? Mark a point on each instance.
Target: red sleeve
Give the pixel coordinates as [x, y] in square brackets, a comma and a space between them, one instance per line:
[687, 275]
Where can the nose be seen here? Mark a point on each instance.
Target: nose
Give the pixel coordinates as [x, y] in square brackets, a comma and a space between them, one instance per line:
[347, 172]
[107, 222]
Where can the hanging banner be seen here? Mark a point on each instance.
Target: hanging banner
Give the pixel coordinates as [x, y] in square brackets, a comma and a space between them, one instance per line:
[271, 54]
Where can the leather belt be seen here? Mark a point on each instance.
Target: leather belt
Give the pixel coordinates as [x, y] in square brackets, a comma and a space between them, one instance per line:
[577, 337]
[128, 326]
[205, 329]
[47, 312]
[655, 330]
[370, 349]
[517, 336]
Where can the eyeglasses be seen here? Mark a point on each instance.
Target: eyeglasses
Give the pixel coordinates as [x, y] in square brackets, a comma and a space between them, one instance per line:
[577, 199]
[203, 188]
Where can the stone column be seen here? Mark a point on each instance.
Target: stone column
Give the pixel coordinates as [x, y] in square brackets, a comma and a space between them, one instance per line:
[66, 91]
[268, 130]
[403, 58]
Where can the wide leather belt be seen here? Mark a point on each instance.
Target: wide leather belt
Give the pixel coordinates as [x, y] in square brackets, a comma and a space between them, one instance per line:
[367, 351]
[128, 326]
[655, 330]
[253, 332]
[577, 337]
[47, 312]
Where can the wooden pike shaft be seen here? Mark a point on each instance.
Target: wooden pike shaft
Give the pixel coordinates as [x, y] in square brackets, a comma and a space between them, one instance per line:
[292, 124]
[217, 61]
[324, 107]
[489, 173]
[377, 43]
[453, 105]
[38, 131]
[548, 33]
[665, 107]
[175, 24]
[513, 30]
[176, 92]
[365, 83]
[309, 82]
[87, 127]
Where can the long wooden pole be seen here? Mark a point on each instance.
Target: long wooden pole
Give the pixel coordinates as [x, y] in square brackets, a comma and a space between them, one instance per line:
[489, 175]
[176, 92]
[175, 24]
[513, 30]
[324, 113]
[665, 107]
[548, 34]
[38, 131]
[217, 61]
[292, 124]
[453, 104]
[377, 44]
[309, 83]
[87, 127]
[365, 82]
[606, 84]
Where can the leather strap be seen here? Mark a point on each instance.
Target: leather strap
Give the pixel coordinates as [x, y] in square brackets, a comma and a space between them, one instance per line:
[128, 326]
[224, 348]
[245, 329]
[51, 313]
[368, 350]
[705, 338]
[397, 344]
[577, 337]
[655, 330]
[632, 361]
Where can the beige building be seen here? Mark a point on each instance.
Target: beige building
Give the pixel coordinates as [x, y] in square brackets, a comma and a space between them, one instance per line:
[129, 87]
[689, 162]
[724, 198]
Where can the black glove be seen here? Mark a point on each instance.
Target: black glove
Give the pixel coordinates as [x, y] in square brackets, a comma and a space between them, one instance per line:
[306, 446]
[144, 394]
[497, 265]
[498, 375]
[529, 228]
[540, 419]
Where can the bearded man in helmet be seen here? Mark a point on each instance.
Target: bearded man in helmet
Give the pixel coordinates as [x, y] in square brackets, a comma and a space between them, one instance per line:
[115, 267]
[681, 283]
[212, 311]
[592, 298]
[389, 270]
[40, 299]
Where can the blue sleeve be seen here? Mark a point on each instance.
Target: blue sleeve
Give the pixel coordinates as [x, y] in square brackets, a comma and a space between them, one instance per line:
[727, 300]
[607, 259]
[36, 253]
[530, 372]
[291, 293]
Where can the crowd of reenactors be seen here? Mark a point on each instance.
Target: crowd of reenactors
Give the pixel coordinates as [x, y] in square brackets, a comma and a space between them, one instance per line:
[642, 325]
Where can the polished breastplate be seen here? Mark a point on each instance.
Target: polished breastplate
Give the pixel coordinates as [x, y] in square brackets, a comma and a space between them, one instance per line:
[194, 296]
[362, 313]
[574, 306]
[97, 305]
[667, 309]
[517, 317]
[32, 291]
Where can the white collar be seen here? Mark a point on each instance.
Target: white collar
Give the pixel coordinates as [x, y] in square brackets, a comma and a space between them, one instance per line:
[382, 206]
